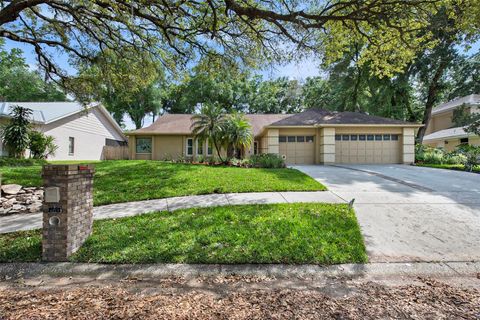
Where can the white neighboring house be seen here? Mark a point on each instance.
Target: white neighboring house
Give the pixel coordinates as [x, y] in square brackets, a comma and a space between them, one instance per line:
[441, 131]
[80, 131]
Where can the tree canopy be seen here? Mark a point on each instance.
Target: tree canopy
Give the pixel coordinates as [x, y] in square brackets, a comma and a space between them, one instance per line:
[386, 57]
[19, 83]
[178, 32]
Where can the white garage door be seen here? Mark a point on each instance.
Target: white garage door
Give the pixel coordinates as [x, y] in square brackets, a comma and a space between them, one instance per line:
[297, 149]
[367, 148]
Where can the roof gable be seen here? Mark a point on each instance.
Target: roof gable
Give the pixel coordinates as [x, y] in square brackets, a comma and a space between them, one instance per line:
[49, 112]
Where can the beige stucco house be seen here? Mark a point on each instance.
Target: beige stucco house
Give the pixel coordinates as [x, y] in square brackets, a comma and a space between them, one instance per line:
[441, 131]
[80, 132]
[314, 136]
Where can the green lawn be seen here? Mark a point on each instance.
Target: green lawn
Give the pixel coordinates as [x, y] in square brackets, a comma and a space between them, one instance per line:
[280, 233]
[133, 180]
[458, 167]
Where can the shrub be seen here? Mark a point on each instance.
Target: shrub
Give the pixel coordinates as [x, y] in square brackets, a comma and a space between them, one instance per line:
[472, 155]
[16, 134]
[431, 155]
[434, 156]
[454, 158]
[41, 146]
[245, 163]
[167, 157]
[201, 159]
[267, 160]
[211, 160]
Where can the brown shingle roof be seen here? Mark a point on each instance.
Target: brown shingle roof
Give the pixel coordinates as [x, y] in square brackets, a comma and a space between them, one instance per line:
[182, 123]
[315, 116]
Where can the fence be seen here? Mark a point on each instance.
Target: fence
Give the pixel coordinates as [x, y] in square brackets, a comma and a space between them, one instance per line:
[115, 153]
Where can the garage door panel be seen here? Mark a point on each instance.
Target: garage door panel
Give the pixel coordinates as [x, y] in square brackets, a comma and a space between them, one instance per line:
[362, 158]
[298, 150]
[379, 148]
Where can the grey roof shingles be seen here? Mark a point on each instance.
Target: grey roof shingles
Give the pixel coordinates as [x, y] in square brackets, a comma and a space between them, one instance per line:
[458, 132]
[44, 112]
[472, 99]
[324, 117]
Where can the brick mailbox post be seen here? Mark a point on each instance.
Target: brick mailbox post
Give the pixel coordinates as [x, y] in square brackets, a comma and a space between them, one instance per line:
[67, 209]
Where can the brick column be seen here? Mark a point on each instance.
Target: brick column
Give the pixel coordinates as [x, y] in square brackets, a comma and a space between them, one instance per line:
[67, 209]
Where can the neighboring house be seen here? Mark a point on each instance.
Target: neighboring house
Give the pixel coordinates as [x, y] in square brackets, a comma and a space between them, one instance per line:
[441, 131]
[80, 131]
[314, 136]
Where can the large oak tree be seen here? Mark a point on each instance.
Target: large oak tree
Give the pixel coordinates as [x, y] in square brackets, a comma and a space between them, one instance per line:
[178, 31]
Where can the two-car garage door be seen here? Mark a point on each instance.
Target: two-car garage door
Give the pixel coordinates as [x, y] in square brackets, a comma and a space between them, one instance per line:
[367, 148]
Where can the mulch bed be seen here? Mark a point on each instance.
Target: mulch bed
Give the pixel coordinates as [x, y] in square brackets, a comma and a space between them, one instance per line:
[431, 300]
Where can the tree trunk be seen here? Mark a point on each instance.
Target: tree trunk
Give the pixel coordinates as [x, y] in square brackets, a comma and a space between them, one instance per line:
[431, 99]
[218, 151]
[356, 107]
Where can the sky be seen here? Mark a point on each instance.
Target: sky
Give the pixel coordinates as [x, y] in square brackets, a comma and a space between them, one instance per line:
[295, 70]
[301, 70]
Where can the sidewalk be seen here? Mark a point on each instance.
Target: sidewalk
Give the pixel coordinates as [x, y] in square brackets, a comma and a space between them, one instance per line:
[34, 220]
[13, 271]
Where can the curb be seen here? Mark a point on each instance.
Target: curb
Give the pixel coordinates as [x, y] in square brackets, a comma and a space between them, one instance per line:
[12, 271]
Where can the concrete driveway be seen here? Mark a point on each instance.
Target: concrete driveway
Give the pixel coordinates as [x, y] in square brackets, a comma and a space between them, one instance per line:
[409, 213]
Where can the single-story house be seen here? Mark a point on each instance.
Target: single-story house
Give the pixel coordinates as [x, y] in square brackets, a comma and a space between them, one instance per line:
[80, 131]
[441, 131]
[314, 136]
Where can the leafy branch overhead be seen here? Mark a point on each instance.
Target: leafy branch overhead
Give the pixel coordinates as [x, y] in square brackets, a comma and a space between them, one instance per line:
[177, 32]
[464, 117]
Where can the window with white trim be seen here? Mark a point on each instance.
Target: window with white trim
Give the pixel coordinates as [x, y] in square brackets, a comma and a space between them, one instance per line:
[189, 146]
[71, 146]
[209, 149]
[199, 148]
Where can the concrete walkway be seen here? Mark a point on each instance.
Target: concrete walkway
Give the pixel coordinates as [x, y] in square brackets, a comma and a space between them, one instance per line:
[119, 210]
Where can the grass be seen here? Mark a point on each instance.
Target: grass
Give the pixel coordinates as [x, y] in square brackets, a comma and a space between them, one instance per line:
[280, 233]
[132, 180]
[458, 167]
[22, 246]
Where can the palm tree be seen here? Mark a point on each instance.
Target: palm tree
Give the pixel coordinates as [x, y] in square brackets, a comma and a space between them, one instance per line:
[210, 126]
[238, 133]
